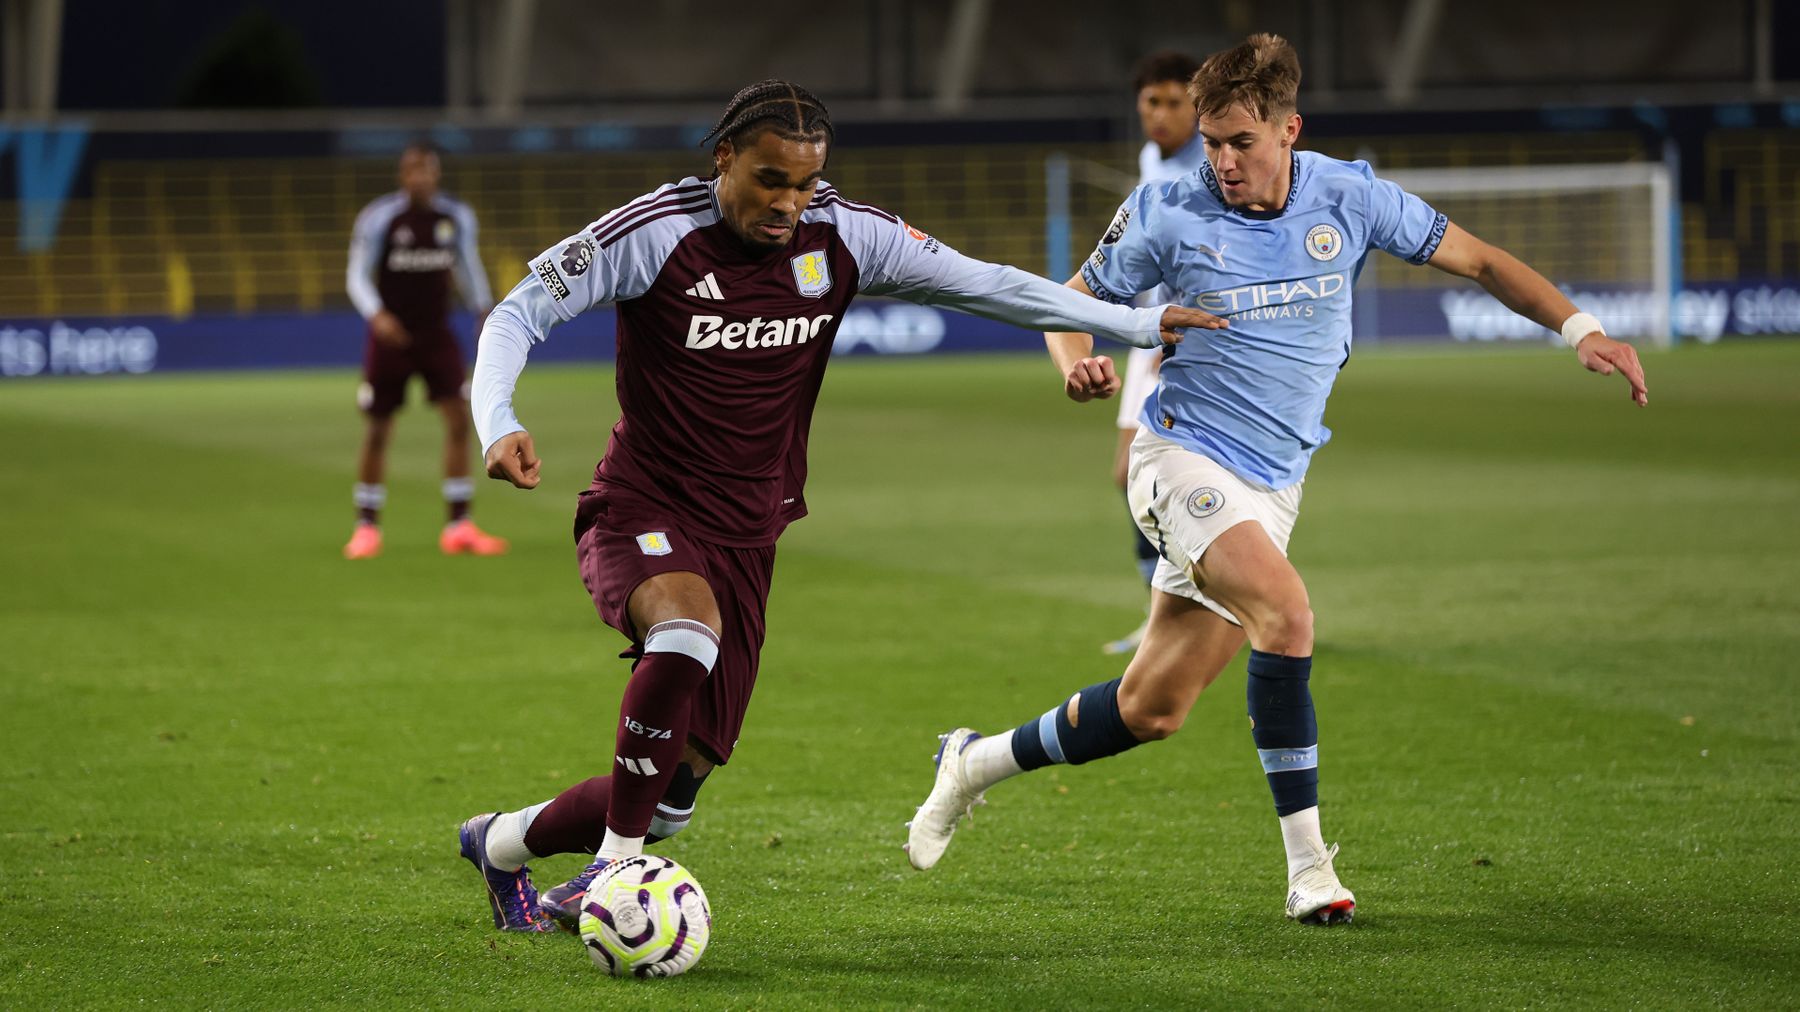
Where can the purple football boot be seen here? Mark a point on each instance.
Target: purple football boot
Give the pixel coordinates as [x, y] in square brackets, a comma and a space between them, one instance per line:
[511, 896]
[563, 904]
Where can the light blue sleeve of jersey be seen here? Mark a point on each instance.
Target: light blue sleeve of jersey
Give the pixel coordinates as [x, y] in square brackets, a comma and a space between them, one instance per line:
[1125, 262]
[1401, 224]
[519, 321]
[907, 264]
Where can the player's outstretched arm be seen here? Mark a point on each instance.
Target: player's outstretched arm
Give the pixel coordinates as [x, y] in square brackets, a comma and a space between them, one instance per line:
[1531, 295]
[913, 266]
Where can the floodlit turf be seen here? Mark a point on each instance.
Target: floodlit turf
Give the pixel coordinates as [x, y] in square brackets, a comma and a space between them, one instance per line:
[1556, 676]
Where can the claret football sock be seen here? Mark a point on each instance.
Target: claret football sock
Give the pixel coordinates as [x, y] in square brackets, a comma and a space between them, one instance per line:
[369, 501]
[653, 724]
[572, 823]
[457, 494]
[1285, 728]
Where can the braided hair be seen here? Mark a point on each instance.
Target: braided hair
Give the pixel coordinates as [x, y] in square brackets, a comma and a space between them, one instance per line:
[782, 106]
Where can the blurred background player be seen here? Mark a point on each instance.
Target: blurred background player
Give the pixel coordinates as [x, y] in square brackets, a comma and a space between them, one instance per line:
[406, 248]
[1172, 148]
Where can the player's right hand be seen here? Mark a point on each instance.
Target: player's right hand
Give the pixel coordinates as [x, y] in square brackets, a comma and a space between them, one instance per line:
[1178, 318]
[388, 329]
[512, 458]
[1089, 378]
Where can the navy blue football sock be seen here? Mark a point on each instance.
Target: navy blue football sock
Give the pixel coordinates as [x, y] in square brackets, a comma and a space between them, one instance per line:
[1097, 732]
[1285, 728]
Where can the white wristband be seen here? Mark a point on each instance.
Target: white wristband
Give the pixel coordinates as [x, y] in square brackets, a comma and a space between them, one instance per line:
[1579, 326]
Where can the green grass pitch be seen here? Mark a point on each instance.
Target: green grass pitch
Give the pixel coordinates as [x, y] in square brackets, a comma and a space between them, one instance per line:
[1558, 642]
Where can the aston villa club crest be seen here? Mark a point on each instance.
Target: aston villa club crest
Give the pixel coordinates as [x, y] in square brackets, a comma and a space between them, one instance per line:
[444, 232]
[812, 275]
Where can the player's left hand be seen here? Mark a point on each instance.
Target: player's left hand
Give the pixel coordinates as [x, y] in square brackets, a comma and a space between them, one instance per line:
[1089, 378]
[1178, 318]
[1602, 354]
[513, 458]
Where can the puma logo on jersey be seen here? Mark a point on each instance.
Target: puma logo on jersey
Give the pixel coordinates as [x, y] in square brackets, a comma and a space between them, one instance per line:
[1218, 255]
[706, 288]
[709, 331]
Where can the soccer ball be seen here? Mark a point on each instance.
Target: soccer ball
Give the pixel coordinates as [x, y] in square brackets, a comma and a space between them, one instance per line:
[645, 916]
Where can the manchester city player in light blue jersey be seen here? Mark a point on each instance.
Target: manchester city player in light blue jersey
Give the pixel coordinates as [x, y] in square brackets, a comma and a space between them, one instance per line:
[1272, 239]
[1172, 149]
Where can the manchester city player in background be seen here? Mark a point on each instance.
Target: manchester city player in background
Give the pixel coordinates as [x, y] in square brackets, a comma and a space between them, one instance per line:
[1272, 239]
[1172, 149]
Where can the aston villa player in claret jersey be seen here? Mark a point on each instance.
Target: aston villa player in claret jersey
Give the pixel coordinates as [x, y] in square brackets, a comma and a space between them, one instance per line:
[729, 291]
[407, 248]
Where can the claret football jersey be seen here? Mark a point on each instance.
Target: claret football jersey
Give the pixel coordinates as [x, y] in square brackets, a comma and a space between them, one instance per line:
[722, 349]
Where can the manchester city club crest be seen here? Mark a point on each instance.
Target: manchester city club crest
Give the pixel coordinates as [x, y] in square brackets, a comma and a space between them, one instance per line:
[812, 275]
[1204, 502]
[1323, 242]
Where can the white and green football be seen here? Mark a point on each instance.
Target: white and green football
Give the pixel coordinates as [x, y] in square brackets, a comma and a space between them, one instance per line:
[645, 916]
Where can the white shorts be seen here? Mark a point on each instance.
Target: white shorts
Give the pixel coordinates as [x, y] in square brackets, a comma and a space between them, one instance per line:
[1183, 501]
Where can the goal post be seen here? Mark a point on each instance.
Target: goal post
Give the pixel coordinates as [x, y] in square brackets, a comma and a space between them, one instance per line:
[1605, 233]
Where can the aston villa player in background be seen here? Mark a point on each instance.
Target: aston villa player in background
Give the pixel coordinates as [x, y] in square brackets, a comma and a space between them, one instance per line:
[404, 252]
[729, 291]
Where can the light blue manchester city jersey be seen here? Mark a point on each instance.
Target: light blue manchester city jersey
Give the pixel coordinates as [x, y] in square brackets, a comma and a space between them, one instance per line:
[1187, 158]
[1152, 166]
[1252, 397]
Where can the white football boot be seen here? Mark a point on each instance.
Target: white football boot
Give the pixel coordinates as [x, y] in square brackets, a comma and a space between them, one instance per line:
[951, 798]
[1315, 896]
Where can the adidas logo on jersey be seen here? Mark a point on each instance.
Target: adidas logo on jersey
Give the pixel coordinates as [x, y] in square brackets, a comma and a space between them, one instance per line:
[706, 288]
[709, 331]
